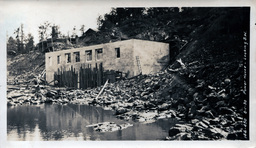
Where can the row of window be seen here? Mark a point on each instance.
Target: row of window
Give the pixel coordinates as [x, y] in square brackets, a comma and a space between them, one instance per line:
[88, 53]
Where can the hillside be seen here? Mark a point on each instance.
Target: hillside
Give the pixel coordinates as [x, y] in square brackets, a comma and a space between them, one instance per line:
[205, 83]
[25, 67]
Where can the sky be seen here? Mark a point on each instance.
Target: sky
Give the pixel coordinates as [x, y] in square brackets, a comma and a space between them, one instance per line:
[65, 14]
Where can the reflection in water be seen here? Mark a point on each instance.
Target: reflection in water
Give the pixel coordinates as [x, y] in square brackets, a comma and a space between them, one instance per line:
[58, 122]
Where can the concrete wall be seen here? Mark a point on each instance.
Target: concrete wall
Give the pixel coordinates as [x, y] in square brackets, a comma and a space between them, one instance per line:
[110, 61]
[151, 57]
[154, 56]
[125, 63]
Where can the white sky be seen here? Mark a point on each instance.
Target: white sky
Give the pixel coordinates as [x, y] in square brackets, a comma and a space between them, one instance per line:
[65, 14]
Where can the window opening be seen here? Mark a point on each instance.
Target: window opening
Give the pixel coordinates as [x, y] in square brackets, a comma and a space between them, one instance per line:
[50, 61]
[88, 55]
[99, 53]
[117, 52]
[68, 58]
[77, 56]
[58, 59]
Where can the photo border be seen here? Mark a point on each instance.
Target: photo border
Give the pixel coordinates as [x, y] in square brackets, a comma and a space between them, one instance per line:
[161, 3]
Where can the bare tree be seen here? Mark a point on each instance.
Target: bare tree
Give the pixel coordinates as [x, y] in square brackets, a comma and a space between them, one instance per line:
[19, 38]
[73, 32]
[82, 29]
[44, 31]
[29, 43]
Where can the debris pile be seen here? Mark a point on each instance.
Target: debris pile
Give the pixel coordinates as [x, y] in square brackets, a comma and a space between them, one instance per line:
[210, 108]
[25, 68]
[210, 105]
[109, 126]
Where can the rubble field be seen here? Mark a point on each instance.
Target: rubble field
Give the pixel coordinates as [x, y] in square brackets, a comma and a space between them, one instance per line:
[210, 110]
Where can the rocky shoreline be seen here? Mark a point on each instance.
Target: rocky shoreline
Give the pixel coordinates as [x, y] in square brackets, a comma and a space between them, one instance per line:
[209, 112]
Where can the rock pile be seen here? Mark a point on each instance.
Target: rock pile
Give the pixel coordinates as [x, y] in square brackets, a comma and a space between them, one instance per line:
[210, 108]
[109, 126]
[38, 94]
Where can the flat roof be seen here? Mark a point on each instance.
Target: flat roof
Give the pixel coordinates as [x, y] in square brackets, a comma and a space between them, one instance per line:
[96, 45]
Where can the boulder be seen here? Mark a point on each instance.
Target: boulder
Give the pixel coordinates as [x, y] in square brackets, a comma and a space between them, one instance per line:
[121, 111]
[236, 135]
[10, 103]
[184, 127]
[51, 94]
[227, 81]
[219, 132]
[209, 114]
[225, 110]
[109, 126]
[144, 93]
[174, 131]
[147, 80]
[149, 105]
[163, 107]
[201, 125]
[48, 100]
[215, 121]
[130, 100]
[156, 86]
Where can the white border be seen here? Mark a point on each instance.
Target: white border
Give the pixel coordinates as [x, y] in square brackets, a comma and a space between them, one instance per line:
[134, 144]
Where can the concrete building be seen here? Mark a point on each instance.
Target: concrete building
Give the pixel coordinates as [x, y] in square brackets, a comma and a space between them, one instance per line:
[131, 57]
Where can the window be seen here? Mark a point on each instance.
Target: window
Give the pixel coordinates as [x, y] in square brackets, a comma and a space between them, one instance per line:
[58, 59]
[117, 52]
[50, 61]
[99, 53]
[88, 55]
[77, 56]
[68, 58]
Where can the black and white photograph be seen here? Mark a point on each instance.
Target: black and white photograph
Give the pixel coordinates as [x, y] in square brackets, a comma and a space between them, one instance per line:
[105, 72]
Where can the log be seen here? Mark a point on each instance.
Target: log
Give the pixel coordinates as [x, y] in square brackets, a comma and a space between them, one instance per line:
[102, 90]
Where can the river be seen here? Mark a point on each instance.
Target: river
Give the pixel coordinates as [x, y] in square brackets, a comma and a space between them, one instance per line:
[53, 122]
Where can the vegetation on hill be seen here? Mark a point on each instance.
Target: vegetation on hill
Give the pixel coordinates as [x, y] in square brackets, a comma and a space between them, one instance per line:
[25, 67]
[209, 65]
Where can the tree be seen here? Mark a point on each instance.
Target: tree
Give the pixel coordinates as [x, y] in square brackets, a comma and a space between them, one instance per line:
[17, 33]
[73, 32]
[100, 21]
[55, 31]
[20, 38]
[117, 15]
[44, 31]
[11, 46]
[82, 29]
[29, 43]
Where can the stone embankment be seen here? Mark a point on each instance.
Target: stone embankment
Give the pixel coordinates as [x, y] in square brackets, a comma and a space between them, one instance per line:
[205, 110]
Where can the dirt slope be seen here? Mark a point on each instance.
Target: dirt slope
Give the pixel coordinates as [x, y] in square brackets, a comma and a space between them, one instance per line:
[24, 67]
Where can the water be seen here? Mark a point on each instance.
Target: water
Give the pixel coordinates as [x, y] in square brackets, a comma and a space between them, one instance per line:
[52, 122]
